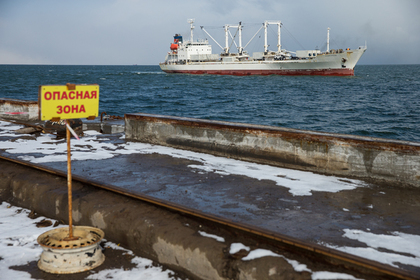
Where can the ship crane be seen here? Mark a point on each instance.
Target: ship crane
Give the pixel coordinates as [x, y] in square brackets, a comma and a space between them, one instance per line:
[227, 33]
[239, 30]
[202, 27]
[224, 49]
[265, 24]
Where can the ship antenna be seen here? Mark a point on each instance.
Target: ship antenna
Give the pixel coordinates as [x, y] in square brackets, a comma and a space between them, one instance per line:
[191, 22]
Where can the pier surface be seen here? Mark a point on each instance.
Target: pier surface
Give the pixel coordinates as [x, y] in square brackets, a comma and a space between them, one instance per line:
[336, 212]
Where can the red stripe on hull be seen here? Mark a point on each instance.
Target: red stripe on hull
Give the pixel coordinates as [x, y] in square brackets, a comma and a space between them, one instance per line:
[317, 72]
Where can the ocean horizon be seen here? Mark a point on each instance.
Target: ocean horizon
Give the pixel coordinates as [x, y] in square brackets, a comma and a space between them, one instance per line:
[378, 101]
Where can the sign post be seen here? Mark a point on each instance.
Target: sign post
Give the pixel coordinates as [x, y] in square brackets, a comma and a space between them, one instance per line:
[70, 196]
[58, 102]
[65, 252]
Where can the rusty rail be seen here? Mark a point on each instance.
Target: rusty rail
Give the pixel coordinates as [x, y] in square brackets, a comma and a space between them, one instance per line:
[110, 117]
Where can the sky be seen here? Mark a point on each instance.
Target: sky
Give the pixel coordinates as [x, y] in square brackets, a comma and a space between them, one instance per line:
[127, 32]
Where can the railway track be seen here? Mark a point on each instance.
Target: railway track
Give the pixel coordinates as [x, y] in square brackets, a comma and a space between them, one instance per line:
[329, 257]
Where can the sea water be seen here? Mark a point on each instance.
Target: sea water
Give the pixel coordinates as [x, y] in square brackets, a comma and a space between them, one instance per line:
[379, 101]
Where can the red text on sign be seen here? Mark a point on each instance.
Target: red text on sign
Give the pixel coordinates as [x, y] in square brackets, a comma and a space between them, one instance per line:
[71, 109]
[58, 95]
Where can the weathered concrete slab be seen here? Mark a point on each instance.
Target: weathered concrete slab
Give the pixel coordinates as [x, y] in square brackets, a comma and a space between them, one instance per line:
[14, 109]
[392, 161]
[321, 216]
[150, 231]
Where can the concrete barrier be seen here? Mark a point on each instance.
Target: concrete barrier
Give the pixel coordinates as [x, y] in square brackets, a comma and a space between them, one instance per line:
[22, 110]
[384, 160]
[27, 111]
[166, 237]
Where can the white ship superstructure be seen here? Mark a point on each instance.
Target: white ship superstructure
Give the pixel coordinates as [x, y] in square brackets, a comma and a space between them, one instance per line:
[196, 57]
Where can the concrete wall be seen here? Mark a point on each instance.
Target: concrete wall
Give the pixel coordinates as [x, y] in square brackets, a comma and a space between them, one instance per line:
[23, 110]
[390, 161]
[149, 231]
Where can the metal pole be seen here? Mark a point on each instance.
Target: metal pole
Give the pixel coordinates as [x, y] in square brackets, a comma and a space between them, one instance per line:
[240, 38]
[265, 37]
[191, 22]
[68, 135]
[328, 39]
[278, 37]
[226, 39]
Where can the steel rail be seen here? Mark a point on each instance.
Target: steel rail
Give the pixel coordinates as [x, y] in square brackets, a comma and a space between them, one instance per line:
[354, 262]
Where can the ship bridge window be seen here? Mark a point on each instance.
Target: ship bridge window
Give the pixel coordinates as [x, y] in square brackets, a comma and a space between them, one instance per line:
[309, 54]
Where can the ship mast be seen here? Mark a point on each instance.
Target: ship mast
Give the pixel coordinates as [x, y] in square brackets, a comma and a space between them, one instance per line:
[240, 48]
[265, 37]
[226, 39]
[266, 23]
[328, 39]
[191, 22]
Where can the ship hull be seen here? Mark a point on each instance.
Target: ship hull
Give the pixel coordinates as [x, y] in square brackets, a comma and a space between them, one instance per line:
[247, 72]
[341, 64]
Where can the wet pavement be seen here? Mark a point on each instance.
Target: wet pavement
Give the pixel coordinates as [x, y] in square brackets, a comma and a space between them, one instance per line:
[321, 217]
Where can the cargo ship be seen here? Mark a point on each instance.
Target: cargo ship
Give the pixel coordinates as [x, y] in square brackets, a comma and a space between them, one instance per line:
[196, 57]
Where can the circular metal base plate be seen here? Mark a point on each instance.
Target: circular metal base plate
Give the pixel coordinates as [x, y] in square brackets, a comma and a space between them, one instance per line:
[63, 256]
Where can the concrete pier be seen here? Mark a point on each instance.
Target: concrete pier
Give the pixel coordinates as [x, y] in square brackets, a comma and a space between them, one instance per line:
[390, 161]
[22, 110]
[182, 243]
[157, 234]
[388, 202]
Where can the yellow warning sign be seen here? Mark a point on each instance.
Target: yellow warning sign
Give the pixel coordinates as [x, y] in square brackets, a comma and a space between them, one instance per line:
[68, 102]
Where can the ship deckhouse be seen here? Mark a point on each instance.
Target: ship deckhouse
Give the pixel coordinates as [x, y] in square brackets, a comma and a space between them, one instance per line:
[194, 50]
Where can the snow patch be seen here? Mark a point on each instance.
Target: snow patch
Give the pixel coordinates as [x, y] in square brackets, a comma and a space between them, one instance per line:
[48, 149]
[218, 238]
